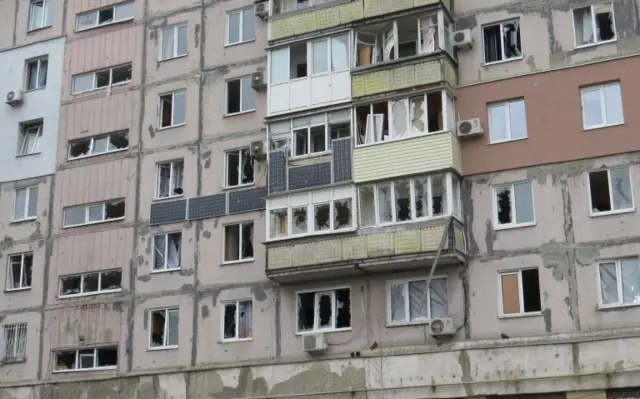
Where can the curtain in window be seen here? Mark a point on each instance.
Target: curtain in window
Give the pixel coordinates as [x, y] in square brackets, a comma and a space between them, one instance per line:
[630, 281]
[608, 283]
[245, 317]
[173, 253]
[375, 124]
[165, 179]
[428, 32]
[492, 47]
[438, 298]
[178, 173]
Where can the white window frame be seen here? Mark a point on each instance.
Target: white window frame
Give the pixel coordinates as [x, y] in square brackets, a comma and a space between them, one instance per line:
[77, 361]
[165, 268]
[502, 48]
[86, 216]
[513, 199]
[173, 109]
[82, 276]
[28, 130]
[28, 199]
[619, 287]
[224, 242]
[520, 293]
[603, 106]
[18, 350]
[242, 79]
[176, 38]
[612, 211]
[407, 300]
[95, 79]
[311, 4]
[22, 271]
[509, 138]
[172, 166]
[39, 70]
[92, 141]
[334, 313]
[45, 16]
[97, 12]
[238, 151]
[242, 40]
[237, 320]
[166, 328]
[594, 29]
[290, 137]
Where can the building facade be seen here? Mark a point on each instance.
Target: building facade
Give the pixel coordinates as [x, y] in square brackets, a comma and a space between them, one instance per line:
[334, 199]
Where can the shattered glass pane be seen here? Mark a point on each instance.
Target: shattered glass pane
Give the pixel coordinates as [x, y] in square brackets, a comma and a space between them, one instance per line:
[418, 305]
[299, 220]
[306, 306]
[90, 283]
[230, 321]
[342, 214]
[621, 189]
[403, 200]
[245, 316]
[438, 195]
[325, 309]
[343, 308]
[503, 198]
[322, 217]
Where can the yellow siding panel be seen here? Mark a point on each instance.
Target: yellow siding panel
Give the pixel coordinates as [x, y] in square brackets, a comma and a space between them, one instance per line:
[327, 251]
[354, 248]
[357, 86]
[431, 238]
[304, 255]
[400, 77]
[399, 5]
[416, 155]
[280, 258]
[380, 245]
[460, 242]
[407, 242]
[451, 76]
[377, 82]
[457, 154]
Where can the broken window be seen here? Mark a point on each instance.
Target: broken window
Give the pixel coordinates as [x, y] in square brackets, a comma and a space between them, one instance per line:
[324, 310]
[237, 320]
[239, 168]
[311, 134]
[322, 217]
[167, 250]
[114, 76]
[610, 190]
[619, 282]
[241, 97]
[93, 213]
[339, 125]
[602, 106]
[173, 42]
[410, 302]
[170, 175]
[502, 41]
[428, 37]
[105, 16]
[86, 359]
[238, 242]
[279, 223]
[173, 109]
[14, 343]
[37, 73]
[283, 6]
[19, 271]
[514, 204]
[30, 136]
[520, 292]
[98, 145]
[342, 214]
[25, 203]
[507, 121]
[594, 24]
[403, 200]
[91, 283]
[299, 225]
[163, 331]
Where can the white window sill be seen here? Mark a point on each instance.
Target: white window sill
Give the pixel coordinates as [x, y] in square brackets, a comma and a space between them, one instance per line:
[325, 331]
[96, 155]
[161, 128]
[406, 222]
[29, 219]
[407, 137]
[618, 306]
[316, 234]
[162, 348]
[239, 43]
[237, 262]
[239, 186]
[28, 155]
[38, 29]
[169, 198]
[83, 370]
[235, 340]
[610, 213]
[595, 44]
[507, 140]
[173, 58]
[589, 128]
[36, 89]
[105, 24]
[513, 226]
[96, 89]
[92, 223]
[239, 113]
[167, 270]
[17, 289]
[519, 315]
[488, 64]
[87, 294]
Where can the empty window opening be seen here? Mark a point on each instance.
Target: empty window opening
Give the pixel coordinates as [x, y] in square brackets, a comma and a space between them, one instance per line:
[502, 41]
[86, 359]
[520, 292]
[37, 73]
[173, 109]
[163, 331]
[25, 203]
[322, 217]
[98, 145]
[91, 283]
[403, 200]
[174, 42]
[20, 271]
[105, 16]
[410, 301]
[237, 320]
[170, 176]
[239, 168]
[619, 282]
[167, 250]
[241, 97]
[594, 24]
[298, 61]
[324, 310]
[514, 204]
[30, 136]
[343, 218]
[238, 242]
[14, 344]
[114, 210]
[610, 190]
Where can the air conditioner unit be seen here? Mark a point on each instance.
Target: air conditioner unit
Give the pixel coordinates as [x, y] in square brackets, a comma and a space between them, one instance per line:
[470, 128]
[262, 10]
[442, 326]
[257, 81]
[14, 97]
[256, 150]
[462, 39]
[315, 343]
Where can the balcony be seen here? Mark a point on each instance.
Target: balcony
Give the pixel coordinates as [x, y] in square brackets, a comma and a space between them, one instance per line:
[366, 251]
[293, 18]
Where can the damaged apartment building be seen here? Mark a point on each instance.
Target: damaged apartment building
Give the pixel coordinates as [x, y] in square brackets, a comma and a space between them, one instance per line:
[319, 199]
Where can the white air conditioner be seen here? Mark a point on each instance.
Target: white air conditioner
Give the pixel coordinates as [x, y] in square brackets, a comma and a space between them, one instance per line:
[462, 39]
[14, 97]
[442, 326]
[314, 343]
[262, 10]
[256, 150]
[470, 128]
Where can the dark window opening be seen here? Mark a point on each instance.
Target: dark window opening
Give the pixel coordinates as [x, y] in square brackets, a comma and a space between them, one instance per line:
[298, 57]
[230, 321]
[102, 78]
[105, 16]
[372, 123]
[504, 206]
[403, 200]
[325, 310]
[343, 307]
[121, 74]
[233, 96]
[91, 283]
[233, 163]
[239, 168]
[157, 328]
[322, 217]
[107, 357]
[238, 242]
[247, 167]
[65, 360]
[599, 187]
[111, 280]
[317, 135]
[502, 41]
[434, 111]
[118, 141]
[531, 290]
[166, 105]
[342, 214]
[79, 148]
[114, 210]
[306, 307]
[71, 285]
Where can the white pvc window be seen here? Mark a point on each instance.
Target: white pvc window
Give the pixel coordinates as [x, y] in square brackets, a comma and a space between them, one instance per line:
[320, 311]
[106, 78]
[513, 205]
[619, 282]
[98, 145]
[25, 203]
[594, 24]
[170, 177]
[602, 106]
[86, 284]
[19, 271]
[610, 191]
[105, 16]
[37, 73]
[173, 42]
[173, 109]
[409, 301]
[167, 251]
[80, 215]
[39, 14]
[241, 26]
[507, 121]
[237, 319]
[163, 329]
[105, 358]
[30, 138]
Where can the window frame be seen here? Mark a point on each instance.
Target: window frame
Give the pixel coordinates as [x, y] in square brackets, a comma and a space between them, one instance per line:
[244, 78]
[26, 131]
[172, 167]
[22, 256]
[512, 198]
[43, 22]
[89, 205]
[173, 109]
[166, 329]
[224, 242]
[27, 204]
[407, 302]
[226, 168]
[92, 140]
[165, 267]
[227, 30]
[619, 286]
[603, 105]
[78, 356]
[18, 353]
[82, 276]
[612, 211]
[97, 12]
[593, 25]
[176, 39]
[507, 104]
[237, 320]
[502, 48]
[38, 61]
[334, 314]
[521, 312]
[94, 75]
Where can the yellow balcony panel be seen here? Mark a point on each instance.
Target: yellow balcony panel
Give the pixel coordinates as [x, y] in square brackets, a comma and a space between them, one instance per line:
[415, 155]
[400, 247]
[376, 8]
